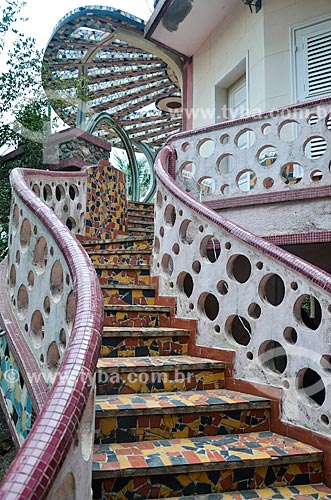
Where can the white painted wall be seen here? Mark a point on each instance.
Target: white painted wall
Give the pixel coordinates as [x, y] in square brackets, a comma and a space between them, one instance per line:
[265, 39]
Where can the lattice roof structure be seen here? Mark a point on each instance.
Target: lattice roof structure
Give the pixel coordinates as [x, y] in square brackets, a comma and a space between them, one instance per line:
[99, 65]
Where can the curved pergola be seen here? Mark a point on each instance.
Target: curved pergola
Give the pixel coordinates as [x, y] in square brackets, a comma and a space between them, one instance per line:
[102, 75]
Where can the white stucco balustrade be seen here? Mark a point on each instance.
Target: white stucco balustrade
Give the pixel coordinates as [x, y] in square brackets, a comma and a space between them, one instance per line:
[277, 151]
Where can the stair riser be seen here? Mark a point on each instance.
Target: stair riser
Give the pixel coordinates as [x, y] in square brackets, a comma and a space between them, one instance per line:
[200, 482]
[158, 381]
[131, 297]
[140, 224]
[124, 277]
[137, 217]
[120, 259]
[135, 206]
[177, 426]
[122, 245]
[136, 319]
[140, 346]
[141, 232]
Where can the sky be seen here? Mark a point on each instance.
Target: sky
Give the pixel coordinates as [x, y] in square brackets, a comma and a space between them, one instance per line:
[43, 15]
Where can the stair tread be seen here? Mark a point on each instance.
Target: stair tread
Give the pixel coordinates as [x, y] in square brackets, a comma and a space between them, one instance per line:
[136, 213]
[121, 266]
[145, 229]
[118, 239]
[117, 251]
[137, 308]
[119, 331]
[159, 362]
[128, 286]
[203, 453]
[319, 492]
[170, 402]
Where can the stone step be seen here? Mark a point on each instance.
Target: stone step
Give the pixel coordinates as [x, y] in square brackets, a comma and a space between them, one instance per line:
[123, 274]
[136, 205]
[139, 342]
[183, 467]
[137, 214]
[141, 417]
[127, 242]
[120, 257]
[318, 492]
[141, 230]
[141, 222]
[136, 315]
[158, 374]
[128, 294]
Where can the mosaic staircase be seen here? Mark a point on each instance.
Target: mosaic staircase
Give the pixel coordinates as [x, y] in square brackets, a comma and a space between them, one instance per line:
[166, 427]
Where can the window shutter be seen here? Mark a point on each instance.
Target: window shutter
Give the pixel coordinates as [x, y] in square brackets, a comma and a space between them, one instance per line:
[313, 61]
[317, 51]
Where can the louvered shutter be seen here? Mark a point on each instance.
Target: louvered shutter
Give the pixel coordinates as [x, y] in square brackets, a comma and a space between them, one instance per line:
[313, 61]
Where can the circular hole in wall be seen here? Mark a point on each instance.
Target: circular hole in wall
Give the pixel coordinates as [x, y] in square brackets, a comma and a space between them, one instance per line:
[70, 309]
[185, 146]
[175, 248]
[273, 356]
[217, 328]
[15, 218]
[170, 215]
[22, 302]
[187, 232]
[18, 257]
[272, 289]
[245, 139]
[249, 355]
[185, 283]
[73, 191]
[308, 312]
[225, 139]
[167, 264]
[222, 287]
[268, 182]
[47, 306]
[159, 199]
[161, 231]
[206, 148]
[286, 384]
[206, 185]
[59, 193]
[40, 255]
[225, 189]
[210, 248]
[56, 281]
[326, 363]
[325, 420]
[156, 245]
[259, 265]
[315, 147]
[267, 156]
[294, 285]
[36, 190]
[312, 119]
[290, 335]
[316, 176]
[71, 223]
[291, 173]
[246, 180]
[239, 329]
[239, 268]
[12, 276]
[208, 304]
[37, 329]
[225, 164]
[30, 279]
[289, 130]
[53, 357]
[47, 193]
[25, 235]
[228, 245]
[254, 310]
[311, 386]
[196, 266]
[63, 338]
[266, 129]
[187, 171]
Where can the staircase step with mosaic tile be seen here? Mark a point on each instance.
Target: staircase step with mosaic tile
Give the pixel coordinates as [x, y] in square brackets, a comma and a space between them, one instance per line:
[140, 230]
[136, 315]
[182, 467]
[318, 492]
[136, 216]
[140, 342]
[123, 274]
[141, 206]
[118, 256]
[158, 374]
[120, 243]
[142, 417]
[128, 294]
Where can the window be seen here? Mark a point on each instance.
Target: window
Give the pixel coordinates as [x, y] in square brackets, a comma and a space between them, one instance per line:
[312, 57]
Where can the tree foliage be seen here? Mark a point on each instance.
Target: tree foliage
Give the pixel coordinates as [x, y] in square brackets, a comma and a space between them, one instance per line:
[143, 169]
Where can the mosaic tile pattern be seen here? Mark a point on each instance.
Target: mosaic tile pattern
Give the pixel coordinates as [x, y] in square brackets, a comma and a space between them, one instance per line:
[170, 416]
[145, 375]
[106, 202]
[14, 392]
[131, 316]
[121, 275]
[120, 257]
[113, 347]
[120, 243]
[128, 295]
[318, 492]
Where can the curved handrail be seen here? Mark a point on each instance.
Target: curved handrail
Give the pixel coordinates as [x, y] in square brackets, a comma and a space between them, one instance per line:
[31, 475]
[313, 273]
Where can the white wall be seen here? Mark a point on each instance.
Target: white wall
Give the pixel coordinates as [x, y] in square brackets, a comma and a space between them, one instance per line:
[265, 39]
